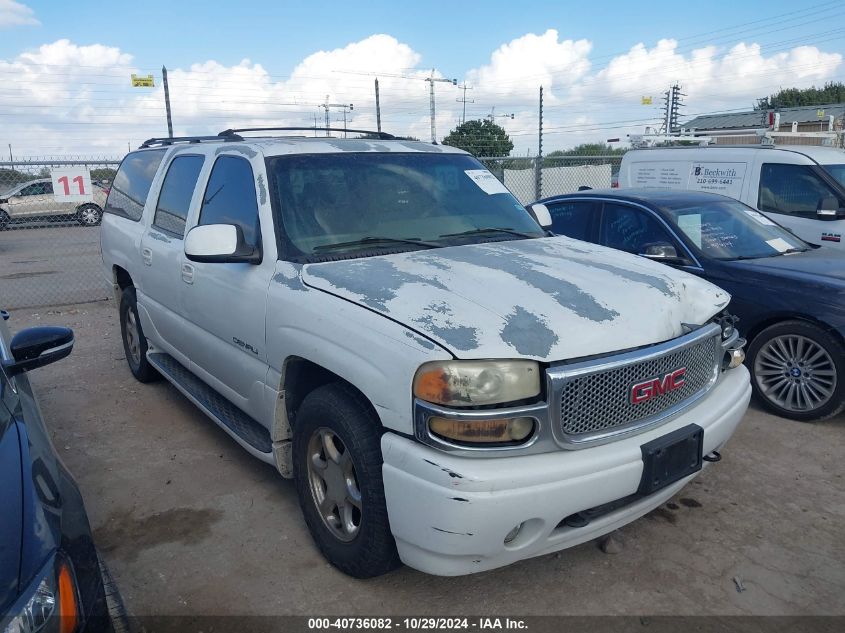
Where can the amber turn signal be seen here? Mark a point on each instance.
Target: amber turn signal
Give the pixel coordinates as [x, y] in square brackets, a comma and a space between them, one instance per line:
[68, 604]
[482, 431]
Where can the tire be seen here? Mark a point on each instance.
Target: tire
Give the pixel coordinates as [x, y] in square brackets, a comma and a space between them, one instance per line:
[798, 371]
[89, 215]
[361, 545]
[114, 602]
[134, 342]
[4, 220]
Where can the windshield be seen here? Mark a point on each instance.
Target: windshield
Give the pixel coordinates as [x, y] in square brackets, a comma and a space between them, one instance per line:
[343, 202]
[837, 171]
[731, 230]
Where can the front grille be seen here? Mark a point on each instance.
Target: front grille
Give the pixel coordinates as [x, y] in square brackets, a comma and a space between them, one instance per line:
[600, 401]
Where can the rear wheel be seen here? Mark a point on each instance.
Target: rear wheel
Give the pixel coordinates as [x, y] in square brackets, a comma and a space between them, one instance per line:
[89, 215]
[797, 371]
[134, 341]
[337, 467]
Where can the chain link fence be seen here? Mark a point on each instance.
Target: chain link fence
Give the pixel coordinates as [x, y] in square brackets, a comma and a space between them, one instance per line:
[50, 212]
[533, 178]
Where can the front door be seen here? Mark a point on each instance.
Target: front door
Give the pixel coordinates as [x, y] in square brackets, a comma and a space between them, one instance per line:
[224, 304]
[35, 199]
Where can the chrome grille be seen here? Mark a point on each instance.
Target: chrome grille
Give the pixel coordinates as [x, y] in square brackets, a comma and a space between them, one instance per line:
[599, 401]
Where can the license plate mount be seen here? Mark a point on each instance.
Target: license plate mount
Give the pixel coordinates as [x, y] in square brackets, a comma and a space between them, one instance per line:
[670, 458]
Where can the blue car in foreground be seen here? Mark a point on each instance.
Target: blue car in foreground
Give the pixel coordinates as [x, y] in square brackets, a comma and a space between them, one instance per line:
[51, 579]
[789, 295]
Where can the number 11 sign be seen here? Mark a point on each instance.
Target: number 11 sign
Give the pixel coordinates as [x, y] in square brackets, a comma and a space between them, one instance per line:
[72, 184]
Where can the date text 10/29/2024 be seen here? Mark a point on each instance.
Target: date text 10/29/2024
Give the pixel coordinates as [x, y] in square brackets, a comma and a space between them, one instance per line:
[417, 624]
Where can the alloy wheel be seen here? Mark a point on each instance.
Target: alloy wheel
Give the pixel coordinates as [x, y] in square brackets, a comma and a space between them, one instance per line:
[795, 373]
[333, 484]
[133, 338]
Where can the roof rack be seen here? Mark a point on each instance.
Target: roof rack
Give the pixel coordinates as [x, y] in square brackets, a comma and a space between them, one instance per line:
[170, 140]
[767, 136]
[234, 131]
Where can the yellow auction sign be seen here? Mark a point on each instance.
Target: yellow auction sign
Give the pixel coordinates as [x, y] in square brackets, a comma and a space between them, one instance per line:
[142, 82]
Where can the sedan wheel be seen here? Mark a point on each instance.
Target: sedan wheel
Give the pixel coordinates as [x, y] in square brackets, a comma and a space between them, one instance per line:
[797, 368]
[89, 215]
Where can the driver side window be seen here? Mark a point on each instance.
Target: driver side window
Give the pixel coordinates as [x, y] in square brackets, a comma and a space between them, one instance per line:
[791, 189]
[630, 229]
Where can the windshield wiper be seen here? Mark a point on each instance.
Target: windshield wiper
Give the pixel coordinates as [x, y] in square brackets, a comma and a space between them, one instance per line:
[491, 229]
[367, 241]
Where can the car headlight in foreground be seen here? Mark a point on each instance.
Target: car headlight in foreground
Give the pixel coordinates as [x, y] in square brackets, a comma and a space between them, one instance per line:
[466, 383]
[51, 604]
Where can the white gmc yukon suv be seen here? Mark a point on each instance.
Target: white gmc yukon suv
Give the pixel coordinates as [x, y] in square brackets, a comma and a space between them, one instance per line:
[448, 384]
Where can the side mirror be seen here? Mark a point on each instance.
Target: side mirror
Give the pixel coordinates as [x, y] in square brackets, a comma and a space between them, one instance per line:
[541, 214]
[828, 209]
[220, 244]
[662, 252]
[36, 347]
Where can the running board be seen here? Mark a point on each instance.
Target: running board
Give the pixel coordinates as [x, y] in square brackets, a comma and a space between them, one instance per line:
[244, 428]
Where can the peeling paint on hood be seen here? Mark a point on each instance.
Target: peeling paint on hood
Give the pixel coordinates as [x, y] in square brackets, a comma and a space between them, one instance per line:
[547, 299]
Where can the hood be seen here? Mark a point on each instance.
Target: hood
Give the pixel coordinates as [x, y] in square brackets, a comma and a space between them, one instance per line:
[546, 299]
[819, 265]
[11, 517]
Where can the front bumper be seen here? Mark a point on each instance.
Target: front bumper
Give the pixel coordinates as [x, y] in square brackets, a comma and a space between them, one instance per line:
[450, 514]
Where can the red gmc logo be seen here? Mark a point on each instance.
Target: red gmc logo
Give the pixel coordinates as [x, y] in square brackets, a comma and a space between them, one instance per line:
[648, 389]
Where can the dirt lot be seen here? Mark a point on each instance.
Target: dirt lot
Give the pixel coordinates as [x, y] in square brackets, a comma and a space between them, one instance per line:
[190, 524]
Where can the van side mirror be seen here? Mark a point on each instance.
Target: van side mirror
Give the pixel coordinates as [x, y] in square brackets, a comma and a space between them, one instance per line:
[220, 244]
[541, 214]
[828, 209]
[36, 347]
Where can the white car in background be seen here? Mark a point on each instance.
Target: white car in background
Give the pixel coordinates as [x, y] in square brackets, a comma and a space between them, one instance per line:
[34, 199]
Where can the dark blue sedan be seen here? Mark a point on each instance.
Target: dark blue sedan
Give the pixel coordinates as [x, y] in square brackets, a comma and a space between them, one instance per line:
[51, 579]
[789, 295]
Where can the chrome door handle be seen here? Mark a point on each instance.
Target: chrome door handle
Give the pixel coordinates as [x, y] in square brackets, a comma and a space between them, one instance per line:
[147, 256]
[187, 273]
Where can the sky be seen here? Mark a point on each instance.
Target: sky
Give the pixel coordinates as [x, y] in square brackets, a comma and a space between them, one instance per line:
[65, 67]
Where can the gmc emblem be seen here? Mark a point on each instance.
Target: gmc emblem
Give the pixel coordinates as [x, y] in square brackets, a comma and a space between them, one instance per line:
[648, 389]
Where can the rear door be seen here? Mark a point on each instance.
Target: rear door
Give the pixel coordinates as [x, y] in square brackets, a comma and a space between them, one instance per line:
[791, 193]
[162, 254]
[225, 304]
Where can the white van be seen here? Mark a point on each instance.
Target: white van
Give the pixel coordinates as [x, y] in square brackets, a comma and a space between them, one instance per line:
[801, 187]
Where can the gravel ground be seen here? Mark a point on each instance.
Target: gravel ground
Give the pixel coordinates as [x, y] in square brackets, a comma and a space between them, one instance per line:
[190, 524]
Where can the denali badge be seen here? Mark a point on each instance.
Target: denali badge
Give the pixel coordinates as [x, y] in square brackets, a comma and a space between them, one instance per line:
[648, 389]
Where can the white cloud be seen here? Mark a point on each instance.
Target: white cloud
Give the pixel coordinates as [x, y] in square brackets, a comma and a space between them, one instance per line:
[16, 14]
[74, 99]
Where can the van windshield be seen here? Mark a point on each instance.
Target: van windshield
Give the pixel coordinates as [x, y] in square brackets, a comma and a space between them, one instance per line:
[340, 203]
[730, 230]
[837, 171]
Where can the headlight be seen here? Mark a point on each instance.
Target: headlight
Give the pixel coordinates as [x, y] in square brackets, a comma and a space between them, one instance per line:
[52, 606]
[465, 383]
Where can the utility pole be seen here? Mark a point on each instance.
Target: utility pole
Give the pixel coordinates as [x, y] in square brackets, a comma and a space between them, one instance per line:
[328, 106]
[167, 102]
[672, 109]
[431, 81]
[464, 101]
[538, 173]
[378, 109]
[11, 160]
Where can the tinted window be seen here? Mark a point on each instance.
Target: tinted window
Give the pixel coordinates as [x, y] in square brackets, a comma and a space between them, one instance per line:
[791, 189]
[230, 197]
[572, 219]
[132, 183]
[630, 229]
[176, 193]
[37, 189]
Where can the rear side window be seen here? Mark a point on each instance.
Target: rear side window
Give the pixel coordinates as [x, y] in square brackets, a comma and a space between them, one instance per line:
[572, 219]
[131, 185]
[791, 189]
[176, 193]
[230, 197]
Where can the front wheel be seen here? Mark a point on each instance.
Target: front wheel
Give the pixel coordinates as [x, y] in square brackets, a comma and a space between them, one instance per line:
[4, 220]
[337, 466]
[797, 371]
[89, 215]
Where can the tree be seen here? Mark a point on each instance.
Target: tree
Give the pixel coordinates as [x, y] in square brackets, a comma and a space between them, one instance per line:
[832, 92]
[103, 173]
[559, 157]
[480, 138]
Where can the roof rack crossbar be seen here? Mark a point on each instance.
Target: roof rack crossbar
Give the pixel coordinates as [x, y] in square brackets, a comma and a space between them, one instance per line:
[234, 131]
[170, 140]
